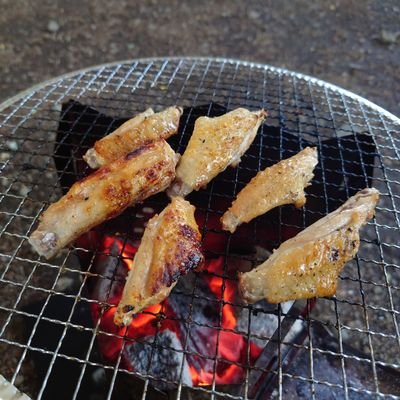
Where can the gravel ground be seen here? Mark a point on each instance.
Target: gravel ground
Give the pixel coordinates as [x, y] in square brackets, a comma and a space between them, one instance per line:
[350, 43]
[354, 44]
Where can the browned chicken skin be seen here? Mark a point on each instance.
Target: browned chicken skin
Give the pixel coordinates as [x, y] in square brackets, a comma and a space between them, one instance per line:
[308, 265]
[145, 128]
[170, 247]
[283, 183]
[215, 144]
[103, 195]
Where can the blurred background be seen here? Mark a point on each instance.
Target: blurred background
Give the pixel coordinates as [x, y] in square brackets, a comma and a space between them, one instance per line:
[354, 44]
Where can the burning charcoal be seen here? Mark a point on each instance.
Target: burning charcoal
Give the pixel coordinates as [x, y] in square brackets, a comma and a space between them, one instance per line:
[204, 309]
[182, 302]
[264, 322]
[112, 262]
[163, 359]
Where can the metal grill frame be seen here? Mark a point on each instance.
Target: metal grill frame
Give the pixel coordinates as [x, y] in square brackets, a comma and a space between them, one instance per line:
[302, 104]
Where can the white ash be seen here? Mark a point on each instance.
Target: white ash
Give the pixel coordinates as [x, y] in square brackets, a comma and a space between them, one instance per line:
[9, 391]
[263, 321]
[99, 376]
[64, 283]
[163, 359]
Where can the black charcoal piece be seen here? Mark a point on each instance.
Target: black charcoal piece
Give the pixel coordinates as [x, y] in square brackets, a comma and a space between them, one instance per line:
[339, 174]
[161, 356]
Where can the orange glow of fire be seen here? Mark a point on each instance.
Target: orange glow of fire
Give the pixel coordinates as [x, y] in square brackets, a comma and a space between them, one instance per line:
[126, 250]
[232, 346]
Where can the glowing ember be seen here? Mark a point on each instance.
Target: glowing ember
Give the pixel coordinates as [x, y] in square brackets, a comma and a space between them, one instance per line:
[213, 347]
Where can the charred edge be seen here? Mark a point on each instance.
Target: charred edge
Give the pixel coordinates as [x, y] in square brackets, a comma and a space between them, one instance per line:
[189, 233]
[170, 275]
[127, 308]
[99, 173]
[151, 174]
[181, 266]
[354, 200]
[194, 260]
[191, 262]
[186, 257]
[334, 255]
[137, 152]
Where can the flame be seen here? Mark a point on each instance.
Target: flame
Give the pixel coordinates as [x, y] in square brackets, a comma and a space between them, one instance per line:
[232, 346]
[226, 293]
[126, 250]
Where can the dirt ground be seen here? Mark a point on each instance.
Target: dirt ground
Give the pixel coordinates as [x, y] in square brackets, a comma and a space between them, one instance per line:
[354, 44]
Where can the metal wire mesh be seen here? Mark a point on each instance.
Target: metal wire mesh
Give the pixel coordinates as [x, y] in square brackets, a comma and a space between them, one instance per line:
[363, 315]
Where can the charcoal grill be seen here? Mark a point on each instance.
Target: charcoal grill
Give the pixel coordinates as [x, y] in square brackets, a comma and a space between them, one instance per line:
[347, 346]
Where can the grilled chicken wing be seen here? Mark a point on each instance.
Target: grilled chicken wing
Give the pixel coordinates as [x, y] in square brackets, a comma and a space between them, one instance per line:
[308, 265]
[283, 183]
[103, 195]
[170, 247]
[138, 131]
[215, 144]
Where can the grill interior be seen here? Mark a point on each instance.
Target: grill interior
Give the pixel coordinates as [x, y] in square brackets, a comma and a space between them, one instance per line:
[347, 345]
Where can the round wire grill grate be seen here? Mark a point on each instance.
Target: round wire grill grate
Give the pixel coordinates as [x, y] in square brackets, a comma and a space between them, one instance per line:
[358, 142]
